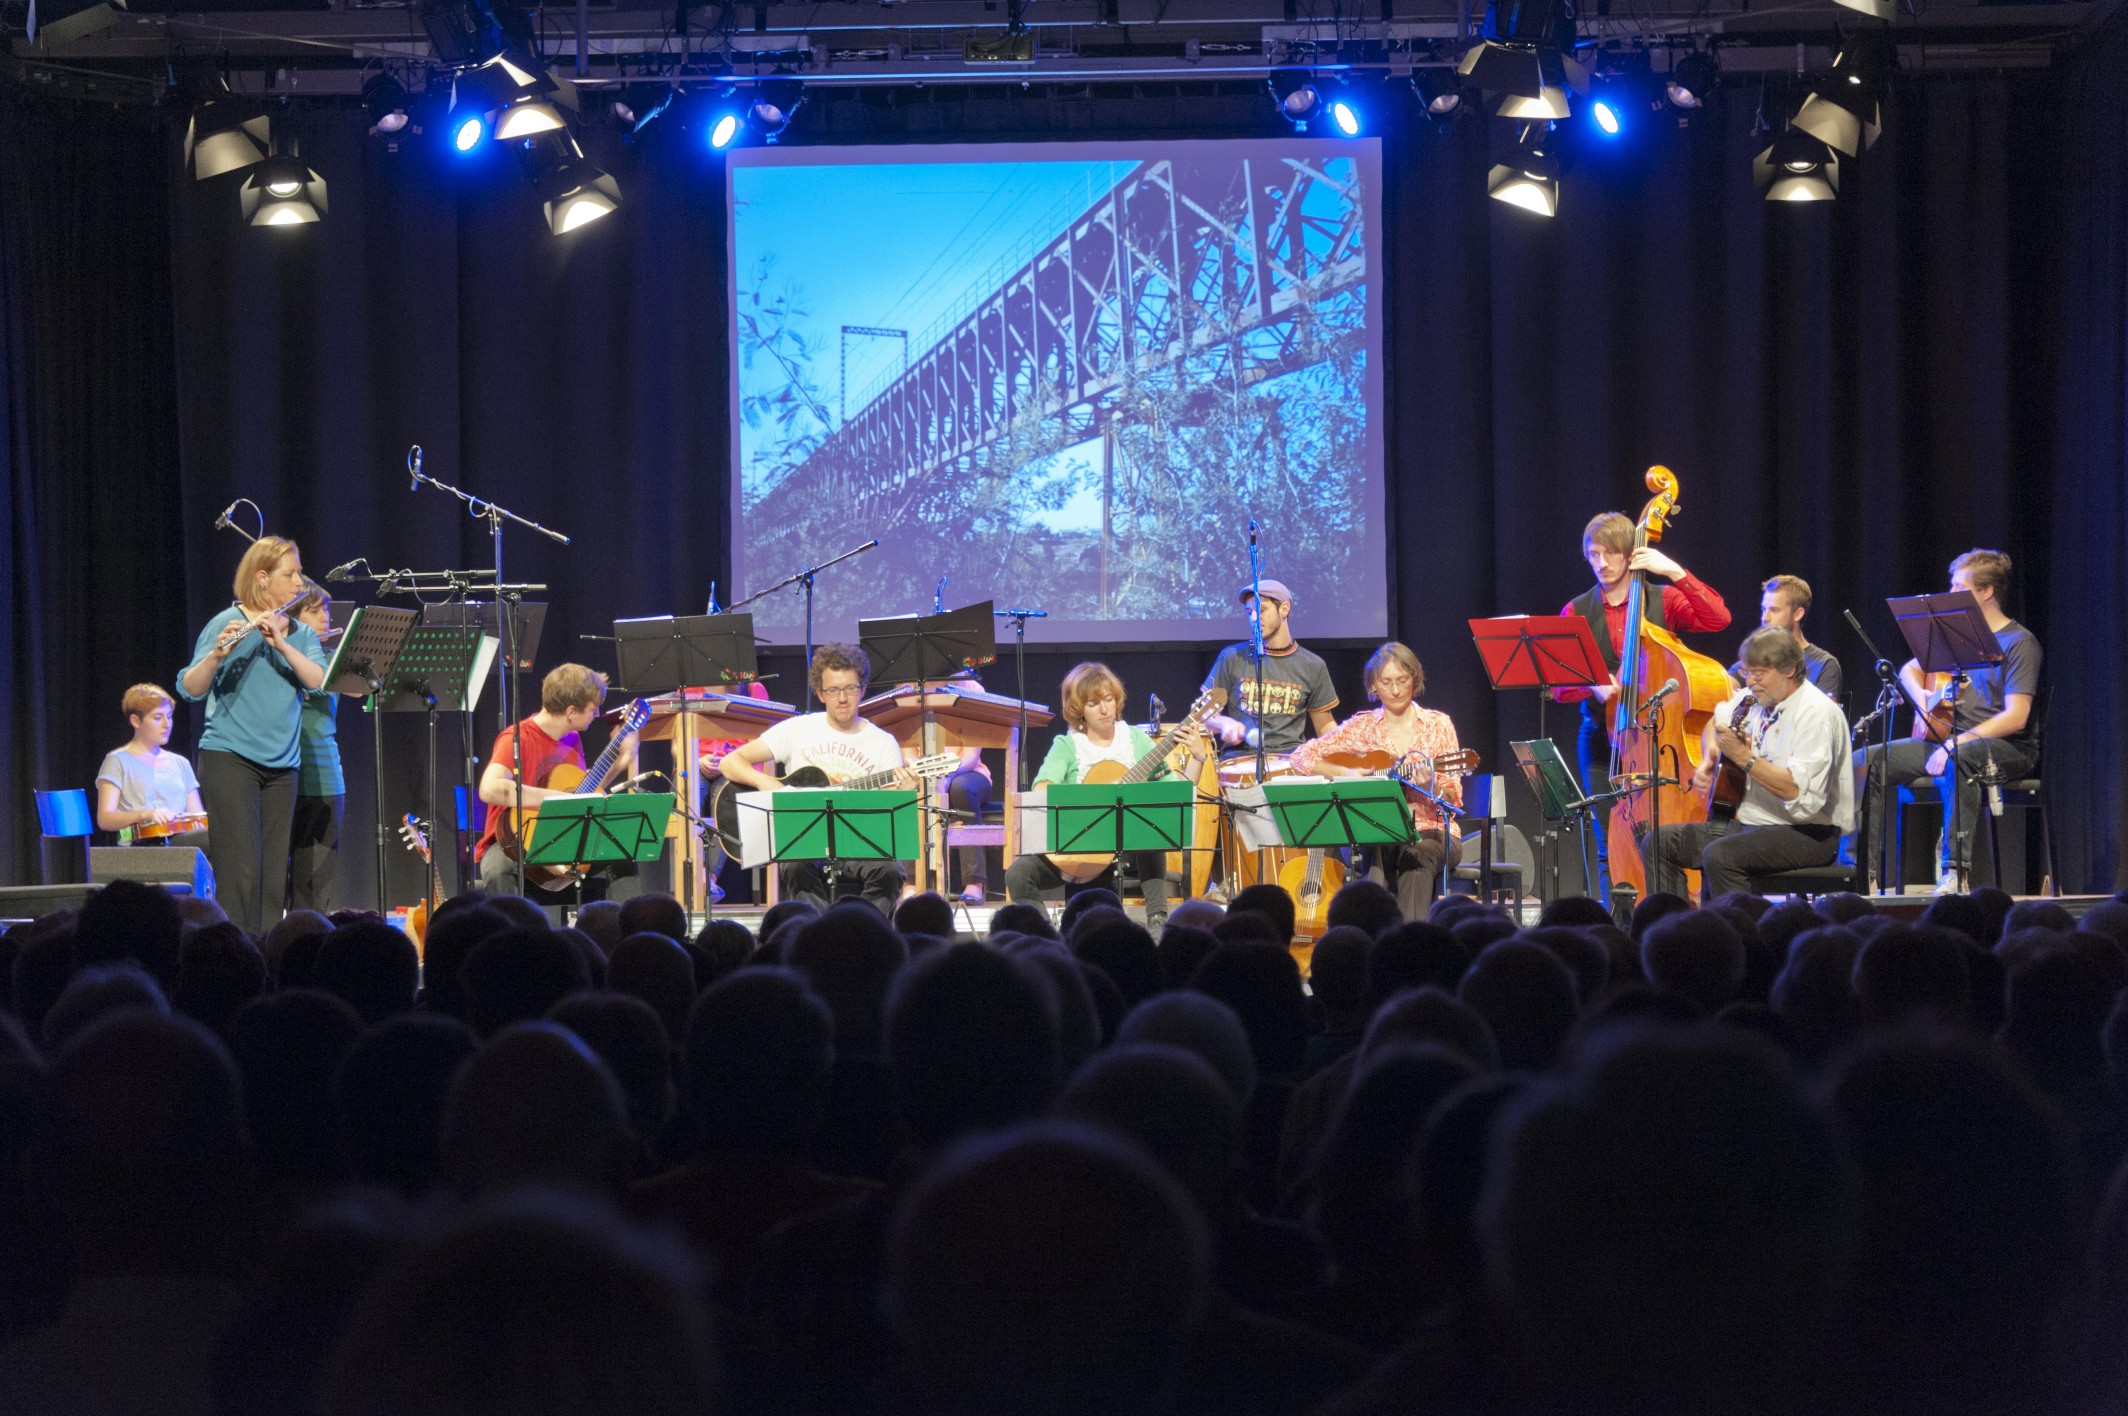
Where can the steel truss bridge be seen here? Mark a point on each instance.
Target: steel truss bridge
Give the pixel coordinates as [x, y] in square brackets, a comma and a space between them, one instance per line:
[1216, 274]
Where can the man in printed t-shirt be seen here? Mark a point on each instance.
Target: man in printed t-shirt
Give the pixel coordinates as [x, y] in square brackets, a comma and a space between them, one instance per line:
[1296, 683]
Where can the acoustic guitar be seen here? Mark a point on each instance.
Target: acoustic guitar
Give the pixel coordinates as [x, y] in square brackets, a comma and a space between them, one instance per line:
[560, 774]
[724, 795]
[1726, 792]
[1314, 879]
[1079, 868]
[414, 833]
[1936, 710]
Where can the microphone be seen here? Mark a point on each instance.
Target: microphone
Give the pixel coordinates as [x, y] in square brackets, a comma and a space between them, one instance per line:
[1991, 775]
[1252, 530]
[345, 572]
[413, 467]
[1154, 708]
[637, 780]
[222, 522]
[1669, 687]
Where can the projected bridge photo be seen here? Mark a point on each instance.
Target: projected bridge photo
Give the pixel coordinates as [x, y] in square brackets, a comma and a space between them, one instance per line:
[1079, 398]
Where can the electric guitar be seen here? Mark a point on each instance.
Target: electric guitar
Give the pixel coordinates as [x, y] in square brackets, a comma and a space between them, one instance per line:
[1313, 880]
[724, 795]
[563, 775]
[1079, 868]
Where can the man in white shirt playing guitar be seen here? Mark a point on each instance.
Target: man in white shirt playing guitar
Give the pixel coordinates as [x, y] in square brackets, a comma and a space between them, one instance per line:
[843, 746]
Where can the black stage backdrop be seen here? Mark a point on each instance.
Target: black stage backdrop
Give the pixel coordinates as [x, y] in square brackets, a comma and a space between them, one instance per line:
[1852, 393]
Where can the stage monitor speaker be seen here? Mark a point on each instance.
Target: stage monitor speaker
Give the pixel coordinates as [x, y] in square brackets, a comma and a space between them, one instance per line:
[37, 901]
[182, 870]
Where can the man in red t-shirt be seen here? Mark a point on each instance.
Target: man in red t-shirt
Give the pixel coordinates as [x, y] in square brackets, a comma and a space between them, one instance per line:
[1686, 605]
[569, 698]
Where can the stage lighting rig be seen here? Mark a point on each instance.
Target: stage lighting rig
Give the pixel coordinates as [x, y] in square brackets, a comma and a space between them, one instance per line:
[775, 101]
[1440, 94]
[1691, 82]
[575, 192]
[1845, 110]
[225, 133]
[1530, 179]
[1299, 100]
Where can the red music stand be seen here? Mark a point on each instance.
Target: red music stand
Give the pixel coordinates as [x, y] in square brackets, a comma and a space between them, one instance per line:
[1543, 652]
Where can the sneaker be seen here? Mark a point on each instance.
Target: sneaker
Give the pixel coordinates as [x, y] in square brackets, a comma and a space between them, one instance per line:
[972, 895]
[1949, 882]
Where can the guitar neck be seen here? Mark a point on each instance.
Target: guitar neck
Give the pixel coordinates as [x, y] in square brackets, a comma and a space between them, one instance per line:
[1144, 767]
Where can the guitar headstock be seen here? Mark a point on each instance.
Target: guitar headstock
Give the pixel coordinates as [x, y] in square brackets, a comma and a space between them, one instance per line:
[1463, 759]
[634, 719]
[414, 832]
[1208, 702]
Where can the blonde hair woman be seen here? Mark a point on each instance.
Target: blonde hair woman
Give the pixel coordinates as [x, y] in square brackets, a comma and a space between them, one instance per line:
[252, 665]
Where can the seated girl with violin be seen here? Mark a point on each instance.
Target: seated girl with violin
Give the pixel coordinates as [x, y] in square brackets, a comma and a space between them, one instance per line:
[1097, 748]
[144, 790]
[1400, 735]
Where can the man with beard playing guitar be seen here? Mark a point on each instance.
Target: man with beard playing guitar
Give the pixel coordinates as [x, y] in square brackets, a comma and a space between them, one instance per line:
[842, 745]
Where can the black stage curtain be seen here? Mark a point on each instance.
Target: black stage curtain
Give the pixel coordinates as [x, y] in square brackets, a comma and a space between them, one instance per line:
[1853, 393]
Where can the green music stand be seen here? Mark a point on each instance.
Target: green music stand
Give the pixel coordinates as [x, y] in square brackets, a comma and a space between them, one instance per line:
[809, 823]
[596, 830]
[1111, 818]
[1365, 811]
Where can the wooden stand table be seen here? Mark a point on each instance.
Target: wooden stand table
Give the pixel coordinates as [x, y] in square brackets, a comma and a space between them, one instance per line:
[950, 717]
[686, 718]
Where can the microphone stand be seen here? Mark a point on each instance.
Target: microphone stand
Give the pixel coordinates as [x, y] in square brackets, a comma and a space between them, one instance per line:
[506, 598]
[804, 577]
[1019, 620]
[1878, 776]
[1256, 643]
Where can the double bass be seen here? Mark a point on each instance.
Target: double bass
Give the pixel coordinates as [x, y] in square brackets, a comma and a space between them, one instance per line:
[1649, 657]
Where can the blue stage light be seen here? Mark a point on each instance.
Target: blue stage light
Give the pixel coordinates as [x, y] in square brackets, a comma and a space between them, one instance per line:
[723, 128]
[468, 131]
[1605, 112]
[1346, 117]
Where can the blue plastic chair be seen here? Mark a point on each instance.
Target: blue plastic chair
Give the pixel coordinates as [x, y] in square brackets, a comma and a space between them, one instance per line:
[65, 816]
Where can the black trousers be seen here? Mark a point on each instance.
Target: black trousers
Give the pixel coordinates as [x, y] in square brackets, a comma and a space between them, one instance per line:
[1726, 854]
[1029, 876]
[878, 881]
[251, 809]
[1909, 763]
[969, 792]
[314, 852]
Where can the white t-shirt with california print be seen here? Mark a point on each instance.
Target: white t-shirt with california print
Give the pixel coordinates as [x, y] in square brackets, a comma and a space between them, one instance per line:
[811, 741]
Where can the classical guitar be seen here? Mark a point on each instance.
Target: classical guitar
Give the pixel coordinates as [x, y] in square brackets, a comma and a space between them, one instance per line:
[1726, 792]
[1079, 868]
[414, 833]
[563, 775]
[1936, 710]
[724, 795]
[1314, 880]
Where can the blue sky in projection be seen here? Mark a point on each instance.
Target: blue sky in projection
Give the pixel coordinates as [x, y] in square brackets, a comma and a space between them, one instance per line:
[925, 231]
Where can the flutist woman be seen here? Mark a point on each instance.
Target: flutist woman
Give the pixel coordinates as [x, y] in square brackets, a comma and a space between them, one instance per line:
[252, 664]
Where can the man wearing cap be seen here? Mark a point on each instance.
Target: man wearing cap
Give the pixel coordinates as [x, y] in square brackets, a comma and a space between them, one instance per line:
[1296, 683]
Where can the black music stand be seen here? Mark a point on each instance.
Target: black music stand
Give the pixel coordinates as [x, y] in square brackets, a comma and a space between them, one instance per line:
[1544, 652]
[1949, 635]
[359, 669]
[440, 670]
[926, 649]
[527, 619]
[665, 652]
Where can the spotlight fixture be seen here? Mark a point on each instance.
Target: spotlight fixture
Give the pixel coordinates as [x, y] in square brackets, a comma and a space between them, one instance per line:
[1691, 81]
[1345, 116]
[1439, 92]
[281, 191]
[1299, 100]
[575, 192]
[226, 134]
[1547, 105]
[1844, 110]
[723, 129]
[1531, 179]
[1882, 9]
[468, 129]
[1797, 167]
[64, 21]
[385, 98]
[775, 100]
[1524, 48]
[525, 117]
